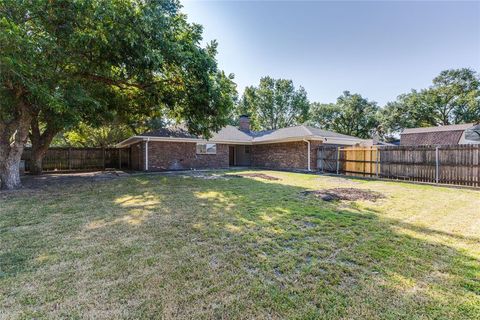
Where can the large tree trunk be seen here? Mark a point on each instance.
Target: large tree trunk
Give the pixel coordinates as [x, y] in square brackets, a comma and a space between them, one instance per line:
[37, 155]
[36, 162]
[13, 136]
[40, 143]
[10, 175]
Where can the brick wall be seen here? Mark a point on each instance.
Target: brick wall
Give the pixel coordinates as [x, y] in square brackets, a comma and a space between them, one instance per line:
[288, 155]
[182, 156]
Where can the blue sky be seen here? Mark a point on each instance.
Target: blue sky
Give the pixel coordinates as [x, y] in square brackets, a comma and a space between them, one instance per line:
[377, 49]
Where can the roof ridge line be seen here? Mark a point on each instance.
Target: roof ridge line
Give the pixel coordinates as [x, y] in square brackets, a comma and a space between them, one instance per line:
[310, 133]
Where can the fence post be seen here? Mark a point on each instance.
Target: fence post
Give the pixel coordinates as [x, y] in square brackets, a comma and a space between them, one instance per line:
[69, 158]
[376, 160]
[119, 158]
[437, 164]
[103, 158]
[338, 160]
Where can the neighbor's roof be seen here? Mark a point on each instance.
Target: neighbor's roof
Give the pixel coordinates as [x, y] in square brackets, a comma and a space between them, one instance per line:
[453, 127]
[431, 138]
[233, 135]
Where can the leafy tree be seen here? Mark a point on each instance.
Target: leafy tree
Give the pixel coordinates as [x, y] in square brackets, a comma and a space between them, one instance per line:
[453, 98]
[274, 104]
[351, 114]
[84, 135]
[68, 61]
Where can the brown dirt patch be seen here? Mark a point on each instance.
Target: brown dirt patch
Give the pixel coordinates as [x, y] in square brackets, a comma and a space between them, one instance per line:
[58, 181]
[350, 194]
[213, 176]
[258, 175]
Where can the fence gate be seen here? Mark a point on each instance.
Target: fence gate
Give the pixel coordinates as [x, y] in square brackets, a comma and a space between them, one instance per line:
[327, 158]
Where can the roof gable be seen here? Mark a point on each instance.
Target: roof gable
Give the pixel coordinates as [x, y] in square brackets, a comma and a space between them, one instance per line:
[280, 134]
[231, 133]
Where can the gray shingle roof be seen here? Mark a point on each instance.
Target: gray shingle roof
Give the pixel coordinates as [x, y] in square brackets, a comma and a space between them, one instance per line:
[328, 134]
[283, 133]
[233, 134]
[173, 132]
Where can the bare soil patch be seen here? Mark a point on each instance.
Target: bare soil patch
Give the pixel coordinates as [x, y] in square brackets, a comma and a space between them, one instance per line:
[212, 176]
[258, 175]
[58, 179]
[350, 194]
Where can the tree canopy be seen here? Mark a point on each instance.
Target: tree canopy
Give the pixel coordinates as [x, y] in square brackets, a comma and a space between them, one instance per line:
[63, 62]
[453, 98]
[351, 114]
[86, 136]
[275, 103]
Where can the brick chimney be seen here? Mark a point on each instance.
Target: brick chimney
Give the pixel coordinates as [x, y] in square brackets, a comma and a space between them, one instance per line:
[244, 123]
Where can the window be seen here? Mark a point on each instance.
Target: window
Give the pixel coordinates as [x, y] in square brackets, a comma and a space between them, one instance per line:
[247, 149]
[206, 148]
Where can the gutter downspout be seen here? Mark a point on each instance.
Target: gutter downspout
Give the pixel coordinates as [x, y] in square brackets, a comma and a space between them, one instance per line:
[308, 153]
[146, 154]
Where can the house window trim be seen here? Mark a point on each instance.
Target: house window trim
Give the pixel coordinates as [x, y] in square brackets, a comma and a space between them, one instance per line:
[206, 152]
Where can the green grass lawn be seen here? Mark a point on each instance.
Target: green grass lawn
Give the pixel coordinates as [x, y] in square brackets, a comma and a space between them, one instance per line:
[185, 247]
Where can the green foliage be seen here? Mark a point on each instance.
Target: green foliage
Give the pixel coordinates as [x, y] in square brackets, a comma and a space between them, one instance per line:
[351, 114]
[274, 104]
[84, 135]
[453, 98]
[94, 60]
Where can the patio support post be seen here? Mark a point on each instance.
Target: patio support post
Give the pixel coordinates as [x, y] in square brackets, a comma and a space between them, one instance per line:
[146, 154]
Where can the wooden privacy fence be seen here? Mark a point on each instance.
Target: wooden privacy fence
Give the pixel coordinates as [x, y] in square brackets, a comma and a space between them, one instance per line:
[452, 164]
[81, 159]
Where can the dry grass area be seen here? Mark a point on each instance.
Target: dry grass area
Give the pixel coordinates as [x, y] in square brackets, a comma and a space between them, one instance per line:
[180, 247]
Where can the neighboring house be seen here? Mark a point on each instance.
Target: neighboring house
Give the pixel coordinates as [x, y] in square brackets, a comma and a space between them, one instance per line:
[375, 142]
[287, 148]
[442, 135]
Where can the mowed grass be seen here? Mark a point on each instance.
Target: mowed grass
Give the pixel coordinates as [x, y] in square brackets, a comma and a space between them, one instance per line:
[183, 247]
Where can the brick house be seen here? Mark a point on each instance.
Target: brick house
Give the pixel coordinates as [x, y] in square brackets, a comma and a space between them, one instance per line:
[176, 149]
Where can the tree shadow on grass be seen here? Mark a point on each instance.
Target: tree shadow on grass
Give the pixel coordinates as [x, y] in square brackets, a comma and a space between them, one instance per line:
[186, 247]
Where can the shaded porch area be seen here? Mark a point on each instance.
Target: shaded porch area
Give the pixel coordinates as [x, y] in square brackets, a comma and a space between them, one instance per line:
[239, 155]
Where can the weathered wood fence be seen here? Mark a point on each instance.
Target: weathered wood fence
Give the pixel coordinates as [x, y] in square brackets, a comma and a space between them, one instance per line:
[81, 159]
[452, 164]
